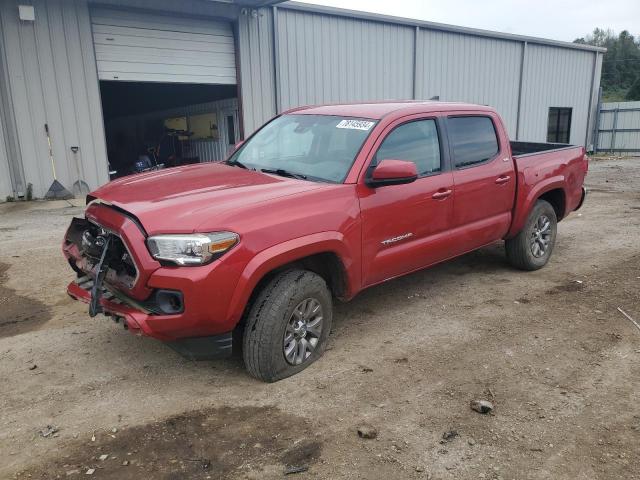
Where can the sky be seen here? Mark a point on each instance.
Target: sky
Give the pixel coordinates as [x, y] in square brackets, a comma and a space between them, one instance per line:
[555, 19]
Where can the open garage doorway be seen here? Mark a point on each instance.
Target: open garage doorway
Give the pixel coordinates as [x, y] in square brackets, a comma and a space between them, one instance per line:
[168, 85]
[151, 125]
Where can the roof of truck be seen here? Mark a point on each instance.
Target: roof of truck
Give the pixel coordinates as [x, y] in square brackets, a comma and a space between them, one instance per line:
[377, 110]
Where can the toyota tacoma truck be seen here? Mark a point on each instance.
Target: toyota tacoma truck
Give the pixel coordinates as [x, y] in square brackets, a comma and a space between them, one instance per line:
[318, 204]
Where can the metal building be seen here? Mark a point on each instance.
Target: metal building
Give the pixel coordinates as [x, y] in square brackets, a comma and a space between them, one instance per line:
[84, 68]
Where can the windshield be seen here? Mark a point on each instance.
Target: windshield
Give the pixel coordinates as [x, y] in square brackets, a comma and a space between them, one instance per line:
[314, 147]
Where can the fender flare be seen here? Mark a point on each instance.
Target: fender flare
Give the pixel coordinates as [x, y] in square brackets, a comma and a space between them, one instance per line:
[281, 254]
[522, 213]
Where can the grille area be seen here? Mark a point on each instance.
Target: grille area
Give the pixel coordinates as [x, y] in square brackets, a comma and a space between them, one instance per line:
[86, 240]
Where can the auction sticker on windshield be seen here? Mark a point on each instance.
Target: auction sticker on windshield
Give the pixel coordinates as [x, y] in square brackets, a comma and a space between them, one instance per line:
[355, 124]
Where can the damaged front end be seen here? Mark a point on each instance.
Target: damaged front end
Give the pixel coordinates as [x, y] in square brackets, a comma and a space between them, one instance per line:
[113, 278]
[99, 255]
[109, 280]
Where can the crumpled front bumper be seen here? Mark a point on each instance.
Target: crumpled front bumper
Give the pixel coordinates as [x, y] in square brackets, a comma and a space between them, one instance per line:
[135, 319]
[139, 322]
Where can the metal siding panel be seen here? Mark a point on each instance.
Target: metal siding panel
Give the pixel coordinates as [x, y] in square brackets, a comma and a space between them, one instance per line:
[57, 96]
[458, 67]
[393, 20]
[51, 79]
[183, 49]
[255, 44]
[31, 121]
[595, 89]
[94, 163]
[7, 117]
[328, 59]
[6, 188]
[626, 120]
[555, 77]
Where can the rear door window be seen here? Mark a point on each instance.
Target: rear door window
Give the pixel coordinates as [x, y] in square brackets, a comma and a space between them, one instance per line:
[473, 140]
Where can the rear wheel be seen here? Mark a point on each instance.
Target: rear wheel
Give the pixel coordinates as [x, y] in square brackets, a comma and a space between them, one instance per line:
[287, 326]
[532, 247]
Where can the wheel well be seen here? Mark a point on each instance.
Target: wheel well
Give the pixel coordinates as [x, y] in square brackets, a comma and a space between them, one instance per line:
[557, 200]
[327, 264]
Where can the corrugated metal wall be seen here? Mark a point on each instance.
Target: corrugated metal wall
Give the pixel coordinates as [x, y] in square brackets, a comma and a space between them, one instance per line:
[555, 77]
[136, 126]
[52, 79]
[257, 82]
[313, 55]
[5, 174]
[11, 169]
[464, 68]
[626, 141]
[324, 56]
[327, 59]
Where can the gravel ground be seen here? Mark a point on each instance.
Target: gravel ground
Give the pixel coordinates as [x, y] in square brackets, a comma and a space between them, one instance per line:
[550, 350]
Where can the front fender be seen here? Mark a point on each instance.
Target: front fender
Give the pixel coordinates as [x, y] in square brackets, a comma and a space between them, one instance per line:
[527, 197]
[290, 251]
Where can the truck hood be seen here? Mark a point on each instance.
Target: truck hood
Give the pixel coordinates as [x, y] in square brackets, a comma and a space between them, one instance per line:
[190, 198]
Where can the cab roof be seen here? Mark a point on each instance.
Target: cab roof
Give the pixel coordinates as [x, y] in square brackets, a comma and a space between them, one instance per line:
[378, 110]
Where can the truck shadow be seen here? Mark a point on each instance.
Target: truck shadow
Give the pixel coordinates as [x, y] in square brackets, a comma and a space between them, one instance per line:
[157, 360]
[489, 261]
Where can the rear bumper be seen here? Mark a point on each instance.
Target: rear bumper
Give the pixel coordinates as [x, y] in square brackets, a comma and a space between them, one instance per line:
[140, 322]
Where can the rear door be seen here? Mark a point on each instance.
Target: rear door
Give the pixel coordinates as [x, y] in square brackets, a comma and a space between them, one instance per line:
[484, 179]
[404, 226]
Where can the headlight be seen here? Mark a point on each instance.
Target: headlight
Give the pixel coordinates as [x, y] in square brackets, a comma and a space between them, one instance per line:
[193, 249]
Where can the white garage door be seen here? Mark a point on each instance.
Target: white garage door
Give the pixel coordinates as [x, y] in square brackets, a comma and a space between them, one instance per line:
[135, 46]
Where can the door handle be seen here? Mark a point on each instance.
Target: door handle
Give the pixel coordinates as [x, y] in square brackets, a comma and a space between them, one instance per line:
[503, 179]
[441, 194]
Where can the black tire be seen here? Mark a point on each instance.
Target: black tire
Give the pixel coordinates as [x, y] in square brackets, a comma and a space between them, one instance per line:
[521, 249]
[263, 347]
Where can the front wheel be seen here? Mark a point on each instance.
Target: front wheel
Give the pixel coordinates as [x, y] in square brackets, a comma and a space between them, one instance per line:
[287, 326]
[532, 247]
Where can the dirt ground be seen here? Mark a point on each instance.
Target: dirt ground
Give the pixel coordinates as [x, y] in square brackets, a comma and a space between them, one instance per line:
[549, 348]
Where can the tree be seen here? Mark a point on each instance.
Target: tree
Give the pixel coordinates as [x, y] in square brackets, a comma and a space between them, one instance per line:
[634, 91]
[620, 64]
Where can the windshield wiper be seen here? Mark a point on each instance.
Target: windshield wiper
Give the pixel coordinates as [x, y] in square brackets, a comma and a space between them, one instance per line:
[284, 173]
[236, 163]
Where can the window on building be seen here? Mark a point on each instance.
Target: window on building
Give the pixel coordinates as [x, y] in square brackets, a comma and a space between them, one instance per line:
[473, 139]
[559, 126]
[416, 142]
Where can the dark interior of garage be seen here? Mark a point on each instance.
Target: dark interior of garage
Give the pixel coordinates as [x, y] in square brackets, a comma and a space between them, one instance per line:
[150, 125]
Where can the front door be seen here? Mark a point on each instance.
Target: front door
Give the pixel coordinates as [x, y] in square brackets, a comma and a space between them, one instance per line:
[404, 226]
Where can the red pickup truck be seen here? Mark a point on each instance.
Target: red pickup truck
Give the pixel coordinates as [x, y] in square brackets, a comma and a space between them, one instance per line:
[320, 203]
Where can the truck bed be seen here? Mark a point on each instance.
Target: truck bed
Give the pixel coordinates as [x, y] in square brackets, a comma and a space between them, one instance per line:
[530, 148]
[543, 167]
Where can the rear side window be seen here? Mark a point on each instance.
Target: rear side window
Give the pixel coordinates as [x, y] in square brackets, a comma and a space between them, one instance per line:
[416, 142]
[473, 139]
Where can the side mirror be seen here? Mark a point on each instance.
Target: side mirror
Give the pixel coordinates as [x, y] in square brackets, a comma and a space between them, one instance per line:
[393, 172]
